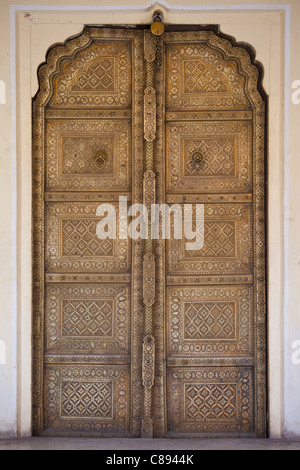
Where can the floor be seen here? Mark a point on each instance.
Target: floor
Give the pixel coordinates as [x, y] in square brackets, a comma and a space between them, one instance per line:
[41, 443]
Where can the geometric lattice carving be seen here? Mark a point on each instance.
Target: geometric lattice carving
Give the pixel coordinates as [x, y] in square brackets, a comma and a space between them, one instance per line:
[72, 148]
[209, 321]
[198, 78]
[71, 154]
[227, 245]
[219, 240]
[79, 155]
[87, 397]
[99, 77]
[226, 147]
[80, 239]
[73, 245]
[219, 157]
[83, 318]
[87, 400]
[206, 402]
[211, 399]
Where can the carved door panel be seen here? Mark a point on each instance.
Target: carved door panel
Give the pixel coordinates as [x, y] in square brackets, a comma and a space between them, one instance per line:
[147, 338]
[210, 151]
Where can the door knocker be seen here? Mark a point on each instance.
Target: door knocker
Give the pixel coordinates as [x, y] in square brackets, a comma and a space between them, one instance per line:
[198, 160]
[100, 159]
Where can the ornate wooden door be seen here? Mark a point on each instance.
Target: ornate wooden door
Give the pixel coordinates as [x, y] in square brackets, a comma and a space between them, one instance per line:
[144, 338]
[88, 150]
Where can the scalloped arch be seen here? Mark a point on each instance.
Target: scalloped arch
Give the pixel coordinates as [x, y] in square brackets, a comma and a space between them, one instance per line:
[241, 53]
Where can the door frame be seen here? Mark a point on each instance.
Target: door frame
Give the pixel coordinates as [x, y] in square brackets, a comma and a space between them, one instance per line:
[276, 398]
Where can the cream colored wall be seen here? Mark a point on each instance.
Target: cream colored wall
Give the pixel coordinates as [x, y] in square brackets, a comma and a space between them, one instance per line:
[35, 32]
[7, 373]
[292, 423]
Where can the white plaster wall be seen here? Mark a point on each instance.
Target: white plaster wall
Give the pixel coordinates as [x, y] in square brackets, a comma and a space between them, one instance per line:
[33, 31]
[292, 378]
[7, 286]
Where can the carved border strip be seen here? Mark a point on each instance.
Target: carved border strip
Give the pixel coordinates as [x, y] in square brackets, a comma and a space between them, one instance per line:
[148, 361]
[150, 127]
[149, 279]
[150, 114]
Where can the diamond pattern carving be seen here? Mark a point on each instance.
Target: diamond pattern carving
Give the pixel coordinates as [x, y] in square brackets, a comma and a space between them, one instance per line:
[227, 243]
[79, 155]
[211, 397]
[99, 77]
[209, 321]
[82, 318]
[209, 402]
[219, 240]
[87, 317]
[218, 157]
[87, 400]
[73, 144]
[199, 78]
[226, 148]
[80, 239]
[73, 245]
